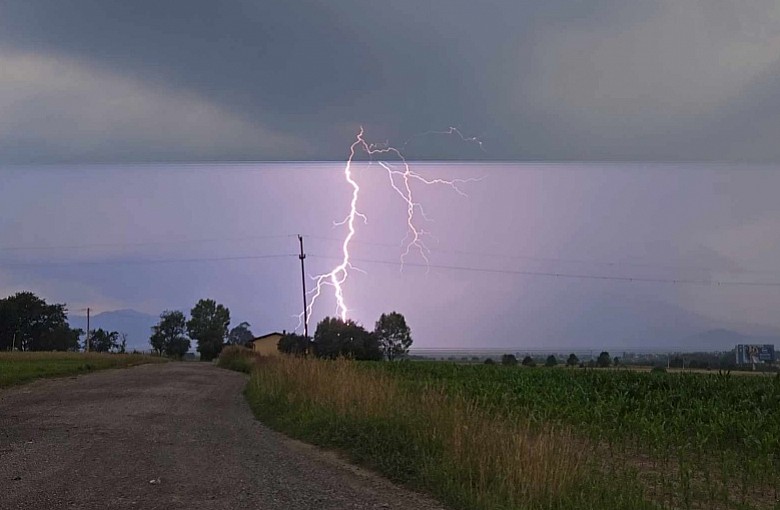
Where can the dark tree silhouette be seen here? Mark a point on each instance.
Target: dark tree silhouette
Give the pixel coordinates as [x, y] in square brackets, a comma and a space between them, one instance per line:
[28, 323]
[293, 344]
[208, 325]
[169, 334]
[241, 334]
[393, 335]
[604, 360]
[101, 340]
[335, 338]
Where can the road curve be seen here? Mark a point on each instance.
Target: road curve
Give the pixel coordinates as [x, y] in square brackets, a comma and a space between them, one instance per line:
[169, 436]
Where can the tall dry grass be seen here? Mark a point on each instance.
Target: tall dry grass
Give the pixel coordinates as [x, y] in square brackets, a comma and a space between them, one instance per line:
[450, 445]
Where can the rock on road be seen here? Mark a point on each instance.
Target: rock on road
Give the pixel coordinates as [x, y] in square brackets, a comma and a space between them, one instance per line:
[167, 436]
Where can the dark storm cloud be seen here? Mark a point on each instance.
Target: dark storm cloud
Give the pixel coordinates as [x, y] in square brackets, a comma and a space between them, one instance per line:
[90, 80]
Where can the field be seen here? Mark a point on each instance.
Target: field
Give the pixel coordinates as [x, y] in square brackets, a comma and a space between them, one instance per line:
[493, 437]
[21, 367]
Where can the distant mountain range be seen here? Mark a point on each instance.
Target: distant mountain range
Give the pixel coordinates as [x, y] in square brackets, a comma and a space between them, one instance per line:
[652, 326]
[582, 320]
[137, 325]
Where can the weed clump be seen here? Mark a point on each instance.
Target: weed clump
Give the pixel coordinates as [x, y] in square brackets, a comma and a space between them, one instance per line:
[238, 358]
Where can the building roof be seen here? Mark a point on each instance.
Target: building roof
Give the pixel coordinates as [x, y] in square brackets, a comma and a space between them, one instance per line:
[275, 333]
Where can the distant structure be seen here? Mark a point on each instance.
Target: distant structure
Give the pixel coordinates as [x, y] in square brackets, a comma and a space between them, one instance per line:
[266, 344]
[753, 354]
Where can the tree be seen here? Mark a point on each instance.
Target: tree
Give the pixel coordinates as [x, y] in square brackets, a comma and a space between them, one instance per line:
[168, 335]
[528, 361]
[101, 340]
[551, 361]
[122, 347]
[208, 325]
[60, 338]
[393, 335]
[28, 323]
[509, 360]
[604, 360]
[573, 360]
[177, 347]
[489, 361]
[293, 344]
[241, 334]
[335, 337]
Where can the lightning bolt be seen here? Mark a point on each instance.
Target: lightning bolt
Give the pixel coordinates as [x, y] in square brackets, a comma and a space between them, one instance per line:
[401, 177]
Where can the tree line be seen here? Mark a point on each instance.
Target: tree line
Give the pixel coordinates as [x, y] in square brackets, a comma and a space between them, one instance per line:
[208, 325]
[334, 337]
[29, 323]
[603, 361]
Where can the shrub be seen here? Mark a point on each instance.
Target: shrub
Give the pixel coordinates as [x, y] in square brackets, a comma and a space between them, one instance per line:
[335, 338]
[509, 360]
[658, 370]
[551, 361]
[528, 361]
[292, 343]
[238, 358]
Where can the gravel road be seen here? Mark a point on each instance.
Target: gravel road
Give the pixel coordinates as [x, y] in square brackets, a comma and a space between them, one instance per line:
[176, 435]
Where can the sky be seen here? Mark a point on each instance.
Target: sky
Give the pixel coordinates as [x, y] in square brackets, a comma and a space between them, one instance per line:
[240, 80]
[155, 153]
[156, 237]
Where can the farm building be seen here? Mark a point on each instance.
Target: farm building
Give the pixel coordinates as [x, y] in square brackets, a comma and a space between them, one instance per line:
[266, 344]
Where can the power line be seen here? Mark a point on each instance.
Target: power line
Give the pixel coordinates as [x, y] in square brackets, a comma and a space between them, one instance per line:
[144, 243]
[561, 260]
[581, 276]
[145, 262]
[384, 245]
[634, 279]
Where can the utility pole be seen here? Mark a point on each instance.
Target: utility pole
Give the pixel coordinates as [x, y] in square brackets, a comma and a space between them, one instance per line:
[86, 340]
[302, 256]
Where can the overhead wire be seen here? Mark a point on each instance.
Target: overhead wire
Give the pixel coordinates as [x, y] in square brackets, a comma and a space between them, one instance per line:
[637, 279]
[147, 261]
[397, 263]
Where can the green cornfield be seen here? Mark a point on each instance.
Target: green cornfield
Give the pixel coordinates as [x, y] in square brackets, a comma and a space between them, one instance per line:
[694, 440]
[493, 437]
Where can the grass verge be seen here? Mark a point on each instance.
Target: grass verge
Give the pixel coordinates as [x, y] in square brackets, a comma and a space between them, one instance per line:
[21, 367]
[498, 438]
[430, 440]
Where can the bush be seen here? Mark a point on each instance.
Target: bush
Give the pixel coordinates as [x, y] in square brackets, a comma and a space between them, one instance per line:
[604, 360]
[551, 361]
[528, 361]
[238, 358]
[658, 370]
[336, 338]
[573, 360]
[489, 361]
[509, 360]
[292, 343]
